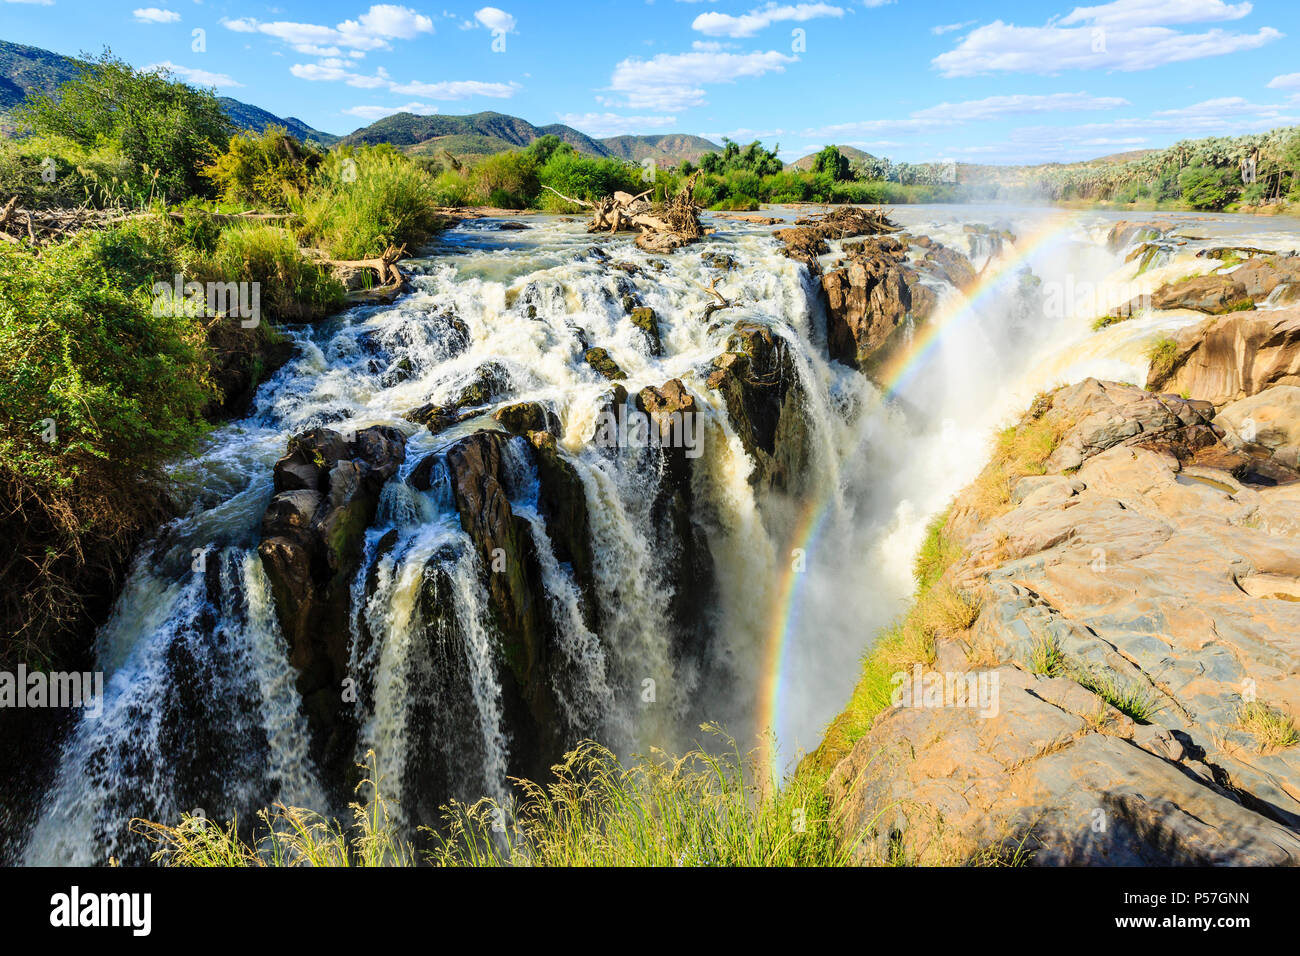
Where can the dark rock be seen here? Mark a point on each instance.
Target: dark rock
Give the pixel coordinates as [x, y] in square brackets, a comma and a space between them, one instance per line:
[646, 320]
[764, 397]
[523, 417]
[599, 359]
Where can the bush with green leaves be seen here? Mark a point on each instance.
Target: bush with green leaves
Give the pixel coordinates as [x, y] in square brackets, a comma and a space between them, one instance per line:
[165, 129]
[292, 288]
[96, 393]
[263, 170]
[1205, 187]
[365, 199]
[45, 171]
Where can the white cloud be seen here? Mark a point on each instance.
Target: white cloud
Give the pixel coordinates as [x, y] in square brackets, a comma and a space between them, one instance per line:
[35, 3]
[155, 15]
[614, 124]
[1287, 81]
[675, 81]
[193, 76]
[373, 113]
[1018, 104]
[334, 70]
[1148, 13]
[748, 24]
[371, 31]
[456, 89]
[495, 19]
[950, 27]
[1004, 47]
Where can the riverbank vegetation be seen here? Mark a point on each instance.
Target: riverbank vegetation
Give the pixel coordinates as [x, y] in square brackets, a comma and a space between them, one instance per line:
[737, 178]
[1216, 173]
[104, 378]
[705, 808]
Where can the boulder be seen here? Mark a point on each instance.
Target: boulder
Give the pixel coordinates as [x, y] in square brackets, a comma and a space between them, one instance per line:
[1228, 358]
[868, 300]
[313, 536]
[1165, 589]
[760, 384]
[646, 320]
[524, 417]
[1214, 294]
[599, 360]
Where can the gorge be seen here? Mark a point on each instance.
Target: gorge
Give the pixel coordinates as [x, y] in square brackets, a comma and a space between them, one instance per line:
[420, 541]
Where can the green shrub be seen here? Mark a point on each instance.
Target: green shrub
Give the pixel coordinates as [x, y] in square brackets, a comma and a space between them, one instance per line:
[45, 171]
[1161, 354]
[167, 130]
[263, 170]
[364, 200]
[292, 287]
[96, 392]
[1204, 187]
[506, 180]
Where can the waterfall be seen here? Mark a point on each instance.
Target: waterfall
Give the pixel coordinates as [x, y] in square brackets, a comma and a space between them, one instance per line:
[201, 709]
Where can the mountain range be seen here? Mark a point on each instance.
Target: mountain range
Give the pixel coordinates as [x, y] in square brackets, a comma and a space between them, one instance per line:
[24, 68]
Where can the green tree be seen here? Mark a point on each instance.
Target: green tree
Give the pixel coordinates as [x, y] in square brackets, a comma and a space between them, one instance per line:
[265, 169]
[831, 161]
[1204, 187]
[168, 130]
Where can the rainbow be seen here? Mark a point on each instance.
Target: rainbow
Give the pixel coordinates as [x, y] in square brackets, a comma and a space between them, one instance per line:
[784, 614]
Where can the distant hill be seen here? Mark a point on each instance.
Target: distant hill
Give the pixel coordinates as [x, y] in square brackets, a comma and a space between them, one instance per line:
[854, 155]
[478, 131]
[670, 148]
[24, 68]
[247, 116]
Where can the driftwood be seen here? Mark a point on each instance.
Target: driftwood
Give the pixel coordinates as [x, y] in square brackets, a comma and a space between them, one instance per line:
[392, 280]
[662, 226]
[385, 266]
[45, 226]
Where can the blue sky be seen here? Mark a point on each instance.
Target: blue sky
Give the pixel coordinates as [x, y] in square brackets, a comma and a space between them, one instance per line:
[1000, 81]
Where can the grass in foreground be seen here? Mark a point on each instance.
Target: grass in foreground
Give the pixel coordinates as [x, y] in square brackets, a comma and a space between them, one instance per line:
[700, 809]
[1272, 728]
[1127, 697]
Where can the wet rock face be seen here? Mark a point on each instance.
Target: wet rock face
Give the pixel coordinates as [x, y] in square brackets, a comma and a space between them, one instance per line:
[1233, 356]
[489, 382]
[677, 538]
[524, 417]
[313, 536]
[1153, 569]
[481, 486]
[599, 360]
[807, 238]
[866, 301]
[1213, 294]
[765, 401]
[1125, 233]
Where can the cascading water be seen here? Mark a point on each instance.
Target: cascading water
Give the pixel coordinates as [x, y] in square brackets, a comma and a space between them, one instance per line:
[201, 709]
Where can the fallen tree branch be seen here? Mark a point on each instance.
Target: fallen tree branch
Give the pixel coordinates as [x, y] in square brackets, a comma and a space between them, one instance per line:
[569, 199]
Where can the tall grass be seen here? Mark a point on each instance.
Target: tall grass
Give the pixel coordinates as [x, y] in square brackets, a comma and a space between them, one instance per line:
[1272, 728]
[363, 201]
[290, 836]
[292, 287]
[700, 809]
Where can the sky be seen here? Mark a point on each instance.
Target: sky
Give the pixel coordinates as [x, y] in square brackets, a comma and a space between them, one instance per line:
[1003, 81]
